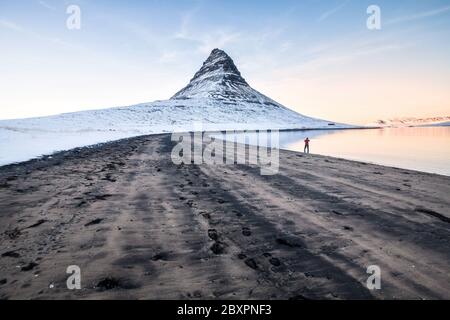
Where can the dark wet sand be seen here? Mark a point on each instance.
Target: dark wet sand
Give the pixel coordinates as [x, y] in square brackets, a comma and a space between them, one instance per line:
[140, 227]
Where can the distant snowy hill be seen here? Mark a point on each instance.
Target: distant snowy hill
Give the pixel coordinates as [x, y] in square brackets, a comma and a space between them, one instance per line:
[441, 124]
[217, 97]
[413, 122]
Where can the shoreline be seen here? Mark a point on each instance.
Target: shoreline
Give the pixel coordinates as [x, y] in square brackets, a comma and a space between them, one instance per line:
[97, 144]
[140, 227]
[101, 144]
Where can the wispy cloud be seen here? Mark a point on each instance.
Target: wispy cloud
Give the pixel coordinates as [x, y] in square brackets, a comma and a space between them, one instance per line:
[10, 25]
[217, 39]
[142, 32]
[420, 15]
[46, 5]
[30, 33]
[206, 41]
[186, 18]
[332, 11]
[168, 57]
[315, 62]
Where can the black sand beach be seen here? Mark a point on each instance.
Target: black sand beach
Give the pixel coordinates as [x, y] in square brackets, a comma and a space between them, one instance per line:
[140, 227]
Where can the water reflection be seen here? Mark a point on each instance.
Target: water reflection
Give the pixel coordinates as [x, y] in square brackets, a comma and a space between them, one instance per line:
[423, 149]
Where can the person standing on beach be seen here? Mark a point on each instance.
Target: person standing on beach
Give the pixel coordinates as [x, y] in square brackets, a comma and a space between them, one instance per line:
[306, 150]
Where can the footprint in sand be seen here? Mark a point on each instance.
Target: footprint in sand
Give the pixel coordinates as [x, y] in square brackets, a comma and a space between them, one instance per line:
[13, 234]
[206, 215]
[93, 222]
[251, 263]
[288, 243]
[160, 256]
[29, 266]
[242, 256]
[190, 203]
[246, 232]
[275, 262]
[212, 233]
[218, 247]
[102, 196]
[272, 260]
[108, 284]
[11, 254]
[4, 185]
[238, 214]
[109, 178]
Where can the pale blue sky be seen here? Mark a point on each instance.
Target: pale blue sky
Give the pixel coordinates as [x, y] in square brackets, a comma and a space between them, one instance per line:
[316, 57]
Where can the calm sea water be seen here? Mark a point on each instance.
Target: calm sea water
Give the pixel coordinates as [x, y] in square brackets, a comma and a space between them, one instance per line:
[424, 149]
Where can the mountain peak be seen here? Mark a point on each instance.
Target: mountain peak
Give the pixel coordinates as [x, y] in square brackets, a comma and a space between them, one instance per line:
[218, 53]
[217, 76]
[218, 63]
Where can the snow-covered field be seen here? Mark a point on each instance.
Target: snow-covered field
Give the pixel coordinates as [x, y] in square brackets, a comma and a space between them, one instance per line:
[217, 98]
[21, 140]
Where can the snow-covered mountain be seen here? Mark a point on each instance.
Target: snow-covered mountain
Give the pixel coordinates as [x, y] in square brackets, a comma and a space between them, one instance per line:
[413, 122]
[441, 124]
[217, 98]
